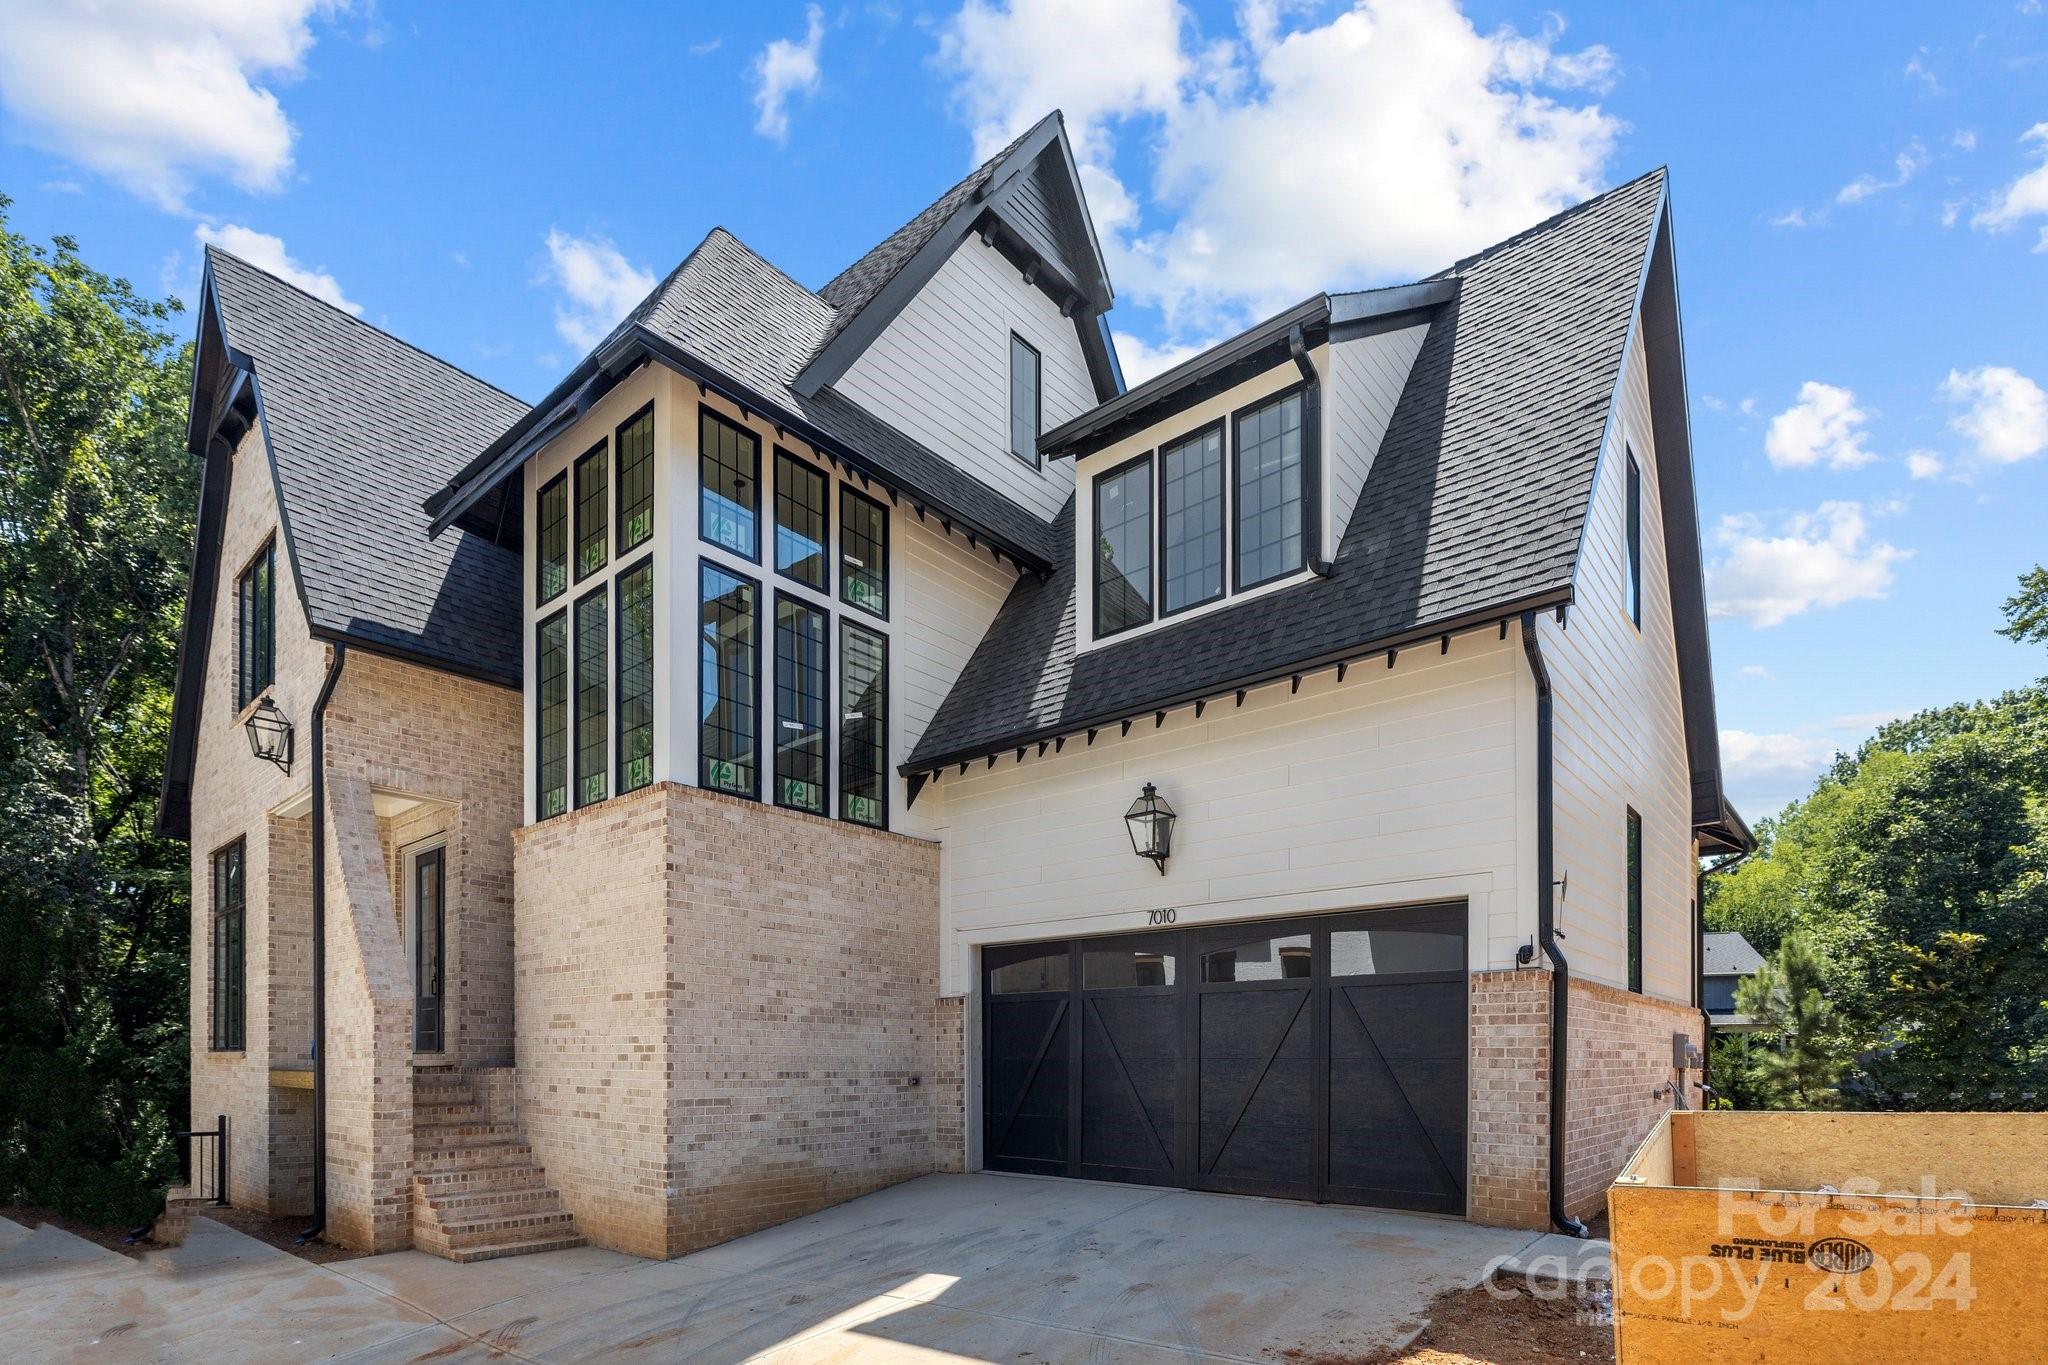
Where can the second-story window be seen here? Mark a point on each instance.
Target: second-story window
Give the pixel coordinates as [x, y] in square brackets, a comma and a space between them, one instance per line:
[800, 681]
[551, 716]
[800, 526]
[863, 552]
[863, 724]
[635, 442]
[256, 627]
[1635, 540]
[1270, 483]
[590, 511]
[551, 539]
[590, 697]
[1123, 547]
[226, 1008]
[636, 677]
[728, 670]
[729, 468]
[1026, 403]
[1635, 902]
[1191, 529]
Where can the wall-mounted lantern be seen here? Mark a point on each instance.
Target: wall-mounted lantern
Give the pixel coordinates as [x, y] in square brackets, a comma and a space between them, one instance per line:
[270, 734]
[1150, 821]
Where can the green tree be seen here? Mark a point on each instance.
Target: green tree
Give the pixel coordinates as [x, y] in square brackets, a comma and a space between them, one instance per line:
[2026, 611]
[96, 510]
[1801, 1060]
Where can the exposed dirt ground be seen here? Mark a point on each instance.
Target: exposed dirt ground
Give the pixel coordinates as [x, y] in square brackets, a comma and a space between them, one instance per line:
[1505, 1325]
[281, 1233]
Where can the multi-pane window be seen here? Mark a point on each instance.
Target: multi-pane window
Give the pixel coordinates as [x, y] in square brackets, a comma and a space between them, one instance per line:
[226, 1005]
[551, 539]
[1123, 547]
[256, 627]
[591, 511]
[636, 677]
[863, 552]
[1191, 532]
[1025, 402]
[801, 532]
[1635, 902]
[801, 671]
[1635, 540]
[635, 443]
[729, 665]
[863, 724]
[551, 716]
[591, 681]
[1270, 484]
[729, 470]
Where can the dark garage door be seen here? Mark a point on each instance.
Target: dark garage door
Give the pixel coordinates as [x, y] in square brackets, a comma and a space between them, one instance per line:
[1317, 1058]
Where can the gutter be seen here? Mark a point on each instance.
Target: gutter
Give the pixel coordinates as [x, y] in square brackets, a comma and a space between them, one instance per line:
[1546, 929]
[1312, 452]
[320, 943]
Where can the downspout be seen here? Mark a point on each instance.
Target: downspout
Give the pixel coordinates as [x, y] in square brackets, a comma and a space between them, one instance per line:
[1546, 930]
[320, 943]
[1312, 451]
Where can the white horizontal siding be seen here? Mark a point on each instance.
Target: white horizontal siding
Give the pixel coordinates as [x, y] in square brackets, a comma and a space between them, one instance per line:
[1366, 376]
[1391, 787]
[940, 372]
[1620, 731]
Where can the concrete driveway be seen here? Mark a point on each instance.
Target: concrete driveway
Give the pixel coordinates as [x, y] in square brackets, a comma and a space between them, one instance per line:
[973, 1267]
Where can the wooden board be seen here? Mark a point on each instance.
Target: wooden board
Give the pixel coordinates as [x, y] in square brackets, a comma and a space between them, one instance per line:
[1991, 1158]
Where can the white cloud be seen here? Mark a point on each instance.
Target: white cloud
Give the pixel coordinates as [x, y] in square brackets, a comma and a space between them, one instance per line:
[1812, 559]
[2026, 197]
[2007, 415]
[1747, 407]
[153, 93]
[1905, 166]
[1924, 464]
[1923, 73]
[1791, 218]
[1755, 671]
[601, 286]
[1292, 156]
[1141, 359]
[1776, 762]
[1865, 721]
[1965, 140]
[1823, 426]
[786, 68]
[266, 252]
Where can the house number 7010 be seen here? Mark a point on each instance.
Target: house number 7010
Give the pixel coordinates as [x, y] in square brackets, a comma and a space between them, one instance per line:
[1159, 916]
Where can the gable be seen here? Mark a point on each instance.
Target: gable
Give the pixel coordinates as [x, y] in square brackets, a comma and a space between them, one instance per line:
[1364, 381]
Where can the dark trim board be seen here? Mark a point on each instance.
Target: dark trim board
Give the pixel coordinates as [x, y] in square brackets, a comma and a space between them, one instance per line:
[1289, 1081]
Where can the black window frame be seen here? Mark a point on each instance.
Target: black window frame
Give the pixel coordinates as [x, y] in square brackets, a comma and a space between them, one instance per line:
[583, 500]
[558, 617]
[643, 467]
[705, 567]
[787, 458]
[1031, 456]
[1160, 610]
[1311, 472]
[541, 529]
[847, 629]
[581, 717]
[707, 413]
[848, 493]
[1633, 531]
[227, 938]
[256, 626]
[1633, 858]
[621, 782]
[1150, 502]
[823, 699]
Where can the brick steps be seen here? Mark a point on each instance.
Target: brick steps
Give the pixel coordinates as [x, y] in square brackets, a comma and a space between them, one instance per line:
[477, 1192]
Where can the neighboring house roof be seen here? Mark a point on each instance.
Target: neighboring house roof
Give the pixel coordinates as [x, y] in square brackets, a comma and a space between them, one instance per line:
[359, 427]
[729, 318]
[1727, 953]
[1473, 508]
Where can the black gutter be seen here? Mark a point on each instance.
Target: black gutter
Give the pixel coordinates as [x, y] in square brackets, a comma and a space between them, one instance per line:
[320, 943]
[1312, 452]
[1546, 929]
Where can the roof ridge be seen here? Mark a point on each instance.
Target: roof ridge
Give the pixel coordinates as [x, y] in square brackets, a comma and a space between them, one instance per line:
[1464, 263]
[747, 247]
[214, 249]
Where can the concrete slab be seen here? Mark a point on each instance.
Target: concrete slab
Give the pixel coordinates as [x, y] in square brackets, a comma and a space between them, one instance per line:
[50, 1253]
[12, 1233]
[1554, 1256]
[982, 1267]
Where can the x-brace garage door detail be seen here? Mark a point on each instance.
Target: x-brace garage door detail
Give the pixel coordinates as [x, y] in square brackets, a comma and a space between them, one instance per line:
[1318, 1058]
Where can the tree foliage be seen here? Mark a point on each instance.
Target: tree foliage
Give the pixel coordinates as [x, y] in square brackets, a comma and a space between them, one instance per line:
[2026, 611]
[1788, 1000]
[97, 497]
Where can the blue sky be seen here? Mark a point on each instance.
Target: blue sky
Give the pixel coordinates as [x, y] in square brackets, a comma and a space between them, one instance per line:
[1861, 196]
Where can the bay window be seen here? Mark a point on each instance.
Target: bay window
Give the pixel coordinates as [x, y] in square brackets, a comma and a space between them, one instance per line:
[729, 470]
[728, 669]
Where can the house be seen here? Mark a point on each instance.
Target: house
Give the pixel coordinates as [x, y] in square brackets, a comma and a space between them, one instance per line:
[718, 790]
[1729, 961]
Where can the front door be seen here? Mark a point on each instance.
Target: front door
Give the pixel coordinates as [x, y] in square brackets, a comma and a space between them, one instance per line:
[429, 951]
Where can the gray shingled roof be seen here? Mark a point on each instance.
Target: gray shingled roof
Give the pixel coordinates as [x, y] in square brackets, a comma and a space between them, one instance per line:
[730, 307]
[362, 427]
[1475, 501]
[1729, 954]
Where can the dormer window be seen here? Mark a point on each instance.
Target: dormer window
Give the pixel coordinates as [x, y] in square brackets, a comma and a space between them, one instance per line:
[1026, 403]
[1123, 547]
[1269, 483]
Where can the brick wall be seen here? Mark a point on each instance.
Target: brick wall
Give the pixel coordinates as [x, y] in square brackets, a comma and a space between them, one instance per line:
[1509, 1115]
[1620, 1056]
[950, 1084]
